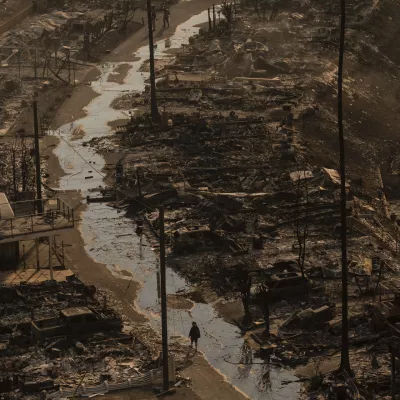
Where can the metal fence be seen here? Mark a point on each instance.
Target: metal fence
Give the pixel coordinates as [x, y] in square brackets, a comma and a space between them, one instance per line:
[56, 214]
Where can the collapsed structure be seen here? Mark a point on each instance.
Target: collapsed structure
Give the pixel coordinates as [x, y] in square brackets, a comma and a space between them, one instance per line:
[56, 333]
[252, 200]
[245, 162]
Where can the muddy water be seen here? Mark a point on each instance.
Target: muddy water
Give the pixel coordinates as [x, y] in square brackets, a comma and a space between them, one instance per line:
[110, 240]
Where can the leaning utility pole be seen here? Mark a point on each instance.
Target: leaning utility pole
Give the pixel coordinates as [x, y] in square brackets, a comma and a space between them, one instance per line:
[163, 303]
[155, 116]
[345, 359]
[37, 159]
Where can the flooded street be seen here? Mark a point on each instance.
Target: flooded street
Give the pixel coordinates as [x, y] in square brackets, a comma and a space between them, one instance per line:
[110, 239]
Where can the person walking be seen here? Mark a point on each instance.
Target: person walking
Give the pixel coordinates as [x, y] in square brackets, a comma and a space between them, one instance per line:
[194, 334]
[153, 18]
[166, 17]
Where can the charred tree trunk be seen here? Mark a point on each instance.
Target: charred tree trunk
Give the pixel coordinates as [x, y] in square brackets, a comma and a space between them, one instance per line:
[345, 359]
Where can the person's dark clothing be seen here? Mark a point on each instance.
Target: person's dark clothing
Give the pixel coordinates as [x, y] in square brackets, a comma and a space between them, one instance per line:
[194, 332]
[166, 18]
[194, 335]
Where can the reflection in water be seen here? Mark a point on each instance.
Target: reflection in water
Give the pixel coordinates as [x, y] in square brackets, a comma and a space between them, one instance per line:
[245, 361]
[265, 381]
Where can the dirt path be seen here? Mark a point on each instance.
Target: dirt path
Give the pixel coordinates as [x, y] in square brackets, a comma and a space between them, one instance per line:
[206, 382]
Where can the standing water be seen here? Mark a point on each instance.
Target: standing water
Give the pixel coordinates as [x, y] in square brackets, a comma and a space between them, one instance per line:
[108, 239]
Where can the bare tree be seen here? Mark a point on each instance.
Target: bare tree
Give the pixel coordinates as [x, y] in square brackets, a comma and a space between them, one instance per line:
[129, 8]
[260, 7]
[227, 11]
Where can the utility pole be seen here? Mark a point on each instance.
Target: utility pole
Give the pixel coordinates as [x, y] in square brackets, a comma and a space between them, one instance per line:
[214, 17]
[155, 116]
[37, 160]
[345, 358]
[163, 302]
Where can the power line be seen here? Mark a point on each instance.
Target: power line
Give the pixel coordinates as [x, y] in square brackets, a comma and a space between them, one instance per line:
[102, 175]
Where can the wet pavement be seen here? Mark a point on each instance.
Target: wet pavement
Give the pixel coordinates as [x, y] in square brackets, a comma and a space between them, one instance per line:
[110, 239]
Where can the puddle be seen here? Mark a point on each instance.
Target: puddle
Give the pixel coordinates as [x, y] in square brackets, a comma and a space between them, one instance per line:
[110, 238]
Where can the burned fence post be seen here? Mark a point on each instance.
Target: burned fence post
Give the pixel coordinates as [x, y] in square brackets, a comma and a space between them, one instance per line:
[24, 255]
[214, 17]
[37, 254]
[50, 240]
[37, 160]
[14, 174]
[63, 255]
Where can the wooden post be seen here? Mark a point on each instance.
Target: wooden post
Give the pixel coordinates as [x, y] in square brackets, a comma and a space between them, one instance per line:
[209, 20]
[62, 252]
[51, 258]
[393, 358]
[214, 17]
[23, 253]
[55, 246]
[164, 321]
[35, 64]
[14, 174]
[37, 254]
[37, 160]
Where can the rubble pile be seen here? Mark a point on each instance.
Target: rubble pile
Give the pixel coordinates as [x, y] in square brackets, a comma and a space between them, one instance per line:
[56, 332]
[245, 162]
[46, 49]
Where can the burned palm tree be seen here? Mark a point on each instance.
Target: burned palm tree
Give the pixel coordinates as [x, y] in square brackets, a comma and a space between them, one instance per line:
[345, 359]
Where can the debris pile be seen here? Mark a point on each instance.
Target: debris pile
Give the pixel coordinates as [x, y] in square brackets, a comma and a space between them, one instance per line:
[245, 164]
[56, 332]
